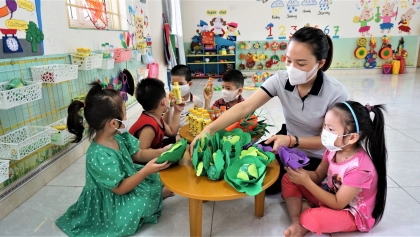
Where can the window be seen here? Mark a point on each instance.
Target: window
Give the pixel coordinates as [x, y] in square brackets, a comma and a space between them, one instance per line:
[97, 14]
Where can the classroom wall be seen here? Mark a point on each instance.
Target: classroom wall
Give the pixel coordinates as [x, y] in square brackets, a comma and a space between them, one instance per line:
[257, 18]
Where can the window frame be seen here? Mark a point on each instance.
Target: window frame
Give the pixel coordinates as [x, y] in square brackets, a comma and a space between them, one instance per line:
[114, 14]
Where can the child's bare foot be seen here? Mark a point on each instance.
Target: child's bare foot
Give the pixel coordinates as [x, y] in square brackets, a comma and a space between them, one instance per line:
[166, 193]
[294, 230]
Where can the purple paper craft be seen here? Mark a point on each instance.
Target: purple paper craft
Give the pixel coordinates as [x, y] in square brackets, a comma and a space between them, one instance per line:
[265, 148]
[292, 158]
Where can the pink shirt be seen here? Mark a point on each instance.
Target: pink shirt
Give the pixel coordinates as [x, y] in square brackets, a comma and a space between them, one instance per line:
[358, 172]
[387, 19]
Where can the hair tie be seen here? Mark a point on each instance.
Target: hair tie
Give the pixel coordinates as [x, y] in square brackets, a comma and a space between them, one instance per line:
[368, 107]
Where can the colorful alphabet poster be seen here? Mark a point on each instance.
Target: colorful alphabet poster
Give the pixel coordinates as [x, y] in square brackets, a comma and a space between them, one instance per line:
[21, 28]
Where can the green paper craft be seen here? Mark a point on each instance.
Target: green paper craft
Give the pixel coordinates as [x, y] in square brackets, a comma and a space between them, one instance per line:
[200, 169]
[219, 163]
[244, 137]
[195, 155]
[248, 172]
[34, 36]
[251, 187]
[15, 83]
[207, 158]
[175, 153]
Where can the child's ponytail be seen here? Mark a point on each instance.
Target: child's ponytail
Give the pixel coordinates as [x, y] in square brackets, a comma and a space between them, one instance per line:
[75, 121]
[376, 148]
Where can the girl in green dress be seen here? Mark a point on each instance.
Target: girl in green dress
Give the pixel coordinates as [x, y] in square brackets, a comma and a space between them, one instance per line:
[119, 195]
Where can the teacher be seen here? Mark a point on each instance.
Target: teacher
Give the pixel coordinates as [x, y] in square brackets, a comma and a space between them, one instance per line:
[306, 93]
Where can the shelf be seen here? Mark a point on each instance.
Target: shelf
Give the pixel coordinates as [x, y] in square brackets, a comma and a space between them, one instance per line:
[210, 55]
[213, 62]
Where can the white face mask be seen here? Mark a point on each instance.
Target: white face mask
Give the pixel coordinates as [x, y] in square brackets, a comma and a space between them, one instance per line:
[229, 96]
[328, 139]
[297, 76]
[125, 128]
[185, 89]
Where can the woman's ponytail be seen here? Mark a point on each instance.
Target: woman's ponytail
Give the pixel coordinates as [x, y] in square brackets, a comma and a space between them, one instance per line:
[329, 58]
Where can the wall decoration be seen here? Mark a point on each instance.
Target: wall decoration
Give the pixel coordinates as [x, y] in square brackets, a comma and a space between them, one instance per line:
[308, 2]
[363, 19]
[370, 62]
[139, 28]
[96, 10]
[202, 27]
[404, 24]
[218, 23]
[325, 4]
[21, 28]
[269, 27]
[146, 21]
[387, 14]
[131, 14]
[232, 32]
[292, 6]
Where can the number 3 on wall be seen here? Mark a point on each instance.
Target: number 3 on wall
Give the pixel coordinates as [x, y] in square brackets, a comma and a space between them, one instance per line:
[294, 28]
[282, 32]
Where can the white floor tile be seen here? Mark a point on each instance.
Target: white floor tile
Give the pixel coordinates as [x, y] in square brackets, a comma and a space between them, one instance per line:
[403, 168]
[414, 192]
[74, 176]
[412, 133]
[396, 141]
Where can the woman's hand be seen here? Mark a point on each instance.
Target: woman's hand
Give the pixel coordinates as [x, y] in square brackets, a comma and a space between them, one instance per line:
[201, 134]
[153, 167]
[298, 176]
[279, 141]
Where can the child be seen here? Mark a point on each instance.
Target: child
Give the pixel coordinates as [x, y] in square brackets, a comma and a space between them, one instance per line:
[150, 128]
[182, 75]
[232, 84]
[355, 193]
[119, 196]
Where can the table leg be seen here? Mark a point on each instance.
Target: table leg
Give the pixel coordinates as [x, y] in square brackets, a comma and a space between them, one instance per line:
[196, 216]
[259, 204]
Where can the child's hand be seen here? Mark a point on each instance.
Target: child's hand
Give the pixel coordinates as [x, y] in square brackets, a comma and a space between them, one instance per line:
[179, 107]
[165, 148]
[298, 176]
[207, 94]
[152, 167]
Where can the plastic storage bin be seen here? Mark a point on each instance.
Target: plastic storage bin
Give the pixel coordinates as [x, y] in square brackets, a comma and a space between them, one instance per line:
[54, 73]
[60, 137]
[19, 96]
[4, 170]
[22, 142]
[107, 64]
[122, 55]
[87, 62]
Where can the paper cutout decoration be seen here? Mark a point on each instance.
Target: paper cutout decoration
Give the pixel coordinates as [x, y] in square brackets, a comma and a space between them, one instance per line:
[291, 6]
[34, 35]
[96, 11]
[404, 24]
[308, 2]
[11, 43]
[277, 3]
[10, 7]
[324, 4]
[139, 28]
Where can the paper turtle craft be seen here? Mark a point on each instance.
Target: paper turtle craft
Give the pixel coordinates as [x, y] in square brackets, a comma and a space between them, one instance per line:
[175, 153]
[292, 158]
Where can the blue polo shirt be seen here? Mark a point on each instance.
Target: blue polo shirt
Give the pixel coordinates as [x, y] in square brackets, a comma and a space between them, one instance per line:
[305, 116]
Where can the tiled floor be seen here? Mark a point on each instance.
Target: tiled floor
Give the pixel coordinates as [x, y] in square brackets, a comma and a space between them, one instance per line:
[401, 93]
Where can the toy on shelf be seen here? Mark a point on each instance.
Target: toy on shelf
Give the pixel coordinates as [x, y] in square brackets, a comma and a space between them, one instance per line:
[386, 49]
[232, 49]
[16, 83]
[398, 58]
[372, 55]
[386, 68]
[361, 51]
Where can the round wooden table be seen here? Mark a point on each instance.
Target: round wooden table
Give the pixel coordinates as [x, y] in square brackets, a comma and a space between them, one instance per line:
[185, 133]
[181, 179]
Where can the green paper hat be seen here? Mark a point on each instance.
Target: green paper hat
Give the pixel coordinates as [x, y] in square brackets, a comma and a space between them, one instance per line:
[175, 153]
[246, 175]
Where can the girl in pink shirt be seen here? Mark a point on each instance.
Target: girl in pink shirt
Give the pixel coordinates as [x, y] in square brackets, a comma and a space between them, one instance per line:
[354, 194]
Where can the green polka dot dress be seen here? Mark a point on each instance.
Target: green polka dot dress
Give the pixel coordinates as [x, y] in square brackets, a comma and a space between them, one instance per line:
[99, 211]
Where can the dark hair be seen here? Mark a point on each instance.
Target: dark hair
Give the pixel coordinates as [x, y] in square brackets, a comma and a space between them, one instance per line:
[372, 133]
[149, 92]
[320, 43]
[234, 76]
[100, 106]
[183, 71]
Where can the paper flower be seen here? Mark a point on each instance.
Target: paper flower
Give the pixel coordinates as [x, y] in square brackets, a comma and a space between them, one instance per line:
[246, 175]
[292, 158]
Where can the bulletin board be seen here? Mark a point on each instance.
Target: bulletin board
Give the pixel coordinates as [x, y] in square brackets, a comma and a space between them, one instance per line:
[21, 28]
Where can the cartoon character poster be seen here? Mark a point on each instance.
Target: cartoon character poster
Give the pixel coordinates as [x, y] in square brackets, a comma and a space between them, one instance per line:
[21, 28]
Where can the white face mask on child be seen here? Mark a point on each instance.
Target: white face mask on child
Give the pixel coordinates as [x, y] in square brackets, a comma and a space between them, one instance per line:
[229, 96]
[125, 128]
[328, 139]
[185, 89]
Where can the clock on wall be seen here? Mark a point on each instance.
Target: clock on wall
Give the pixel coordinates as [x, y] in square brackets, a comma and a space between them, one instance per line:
[11, 43]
